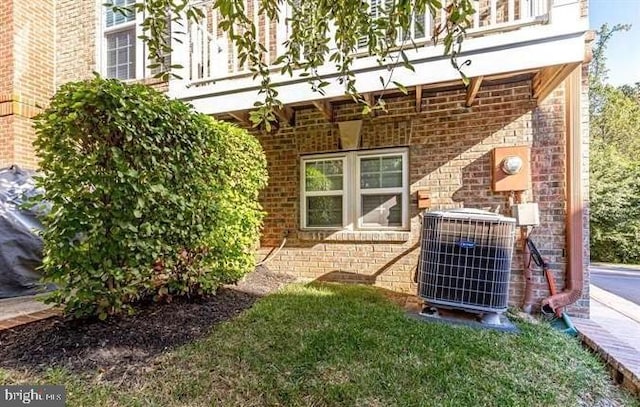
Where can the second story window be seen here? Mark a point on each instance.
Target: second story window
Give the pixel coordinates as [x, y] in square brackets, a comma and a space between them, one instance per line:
[121, 49]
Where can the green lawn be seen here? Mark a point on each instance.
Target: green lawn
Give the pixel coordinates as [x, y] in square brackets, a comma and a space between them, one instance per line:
[349, 346]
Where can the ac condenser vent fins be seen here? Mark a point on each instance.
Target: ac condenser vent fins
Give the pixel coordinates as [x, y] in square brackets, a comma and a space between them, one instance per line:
[466, 260]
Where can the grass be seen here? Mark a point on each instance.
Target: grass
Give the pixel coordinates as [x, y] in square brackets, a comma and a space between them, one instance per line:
[335, 345]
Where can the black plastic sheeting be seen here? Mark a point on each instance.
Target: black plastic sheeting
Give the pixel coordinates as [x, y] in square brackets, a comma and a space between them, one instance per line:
[20, 245]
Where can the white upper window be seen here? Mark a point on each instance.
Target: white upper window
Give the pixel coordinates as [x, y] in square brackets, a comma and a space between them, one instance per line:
[122, 52]
[417, 30]
[357, 190]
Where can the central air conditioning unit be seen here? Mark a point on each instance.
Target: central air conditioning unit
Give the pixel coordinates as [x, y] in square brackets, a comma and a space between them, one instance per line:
[465, 261]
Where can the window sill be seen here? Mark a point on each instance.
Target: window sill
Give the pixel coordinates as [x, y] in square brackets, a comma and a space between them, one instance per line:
[149, 81]
[355, 236]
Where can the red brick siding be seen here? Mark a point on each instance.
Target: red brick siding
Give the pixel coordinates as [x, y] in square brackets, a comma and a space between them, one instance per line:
[50, 43]
[6, 84]
[76, 27]
[26, 79]
[33, 50]
[6, 50]
[6, 140]
[449, 148]
[583, 303]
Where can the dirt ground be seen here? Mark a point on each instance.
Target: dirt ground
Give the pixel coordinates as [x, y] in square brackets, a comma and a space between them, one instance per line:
[119, 349]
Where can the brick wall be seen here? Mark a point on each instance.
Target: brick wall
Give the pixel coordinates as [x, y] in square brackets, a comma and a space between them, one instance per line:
[6, 50]
[6, 138]
[26, 76]
[583, 303]
[47, 43]
[6, 84]
[77, 23]
[449, 156]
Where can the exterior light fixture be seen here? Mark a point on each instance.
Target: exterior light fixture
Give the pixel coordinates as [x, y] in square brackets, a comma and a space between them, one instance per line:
[511, 164]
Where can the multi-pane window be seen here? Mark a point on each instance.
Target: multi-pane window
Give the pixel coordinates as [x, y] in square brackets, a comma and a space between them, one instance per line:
[417, 30]
[122, 49]
[324, 192]
[121, 54]
[356, 190]
[381, 191]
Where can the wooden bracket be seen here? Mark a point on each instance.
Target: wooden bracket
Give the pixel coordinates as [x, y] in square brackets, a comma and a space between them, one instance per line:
[325, 108]
[241, 116]
[371, 101]
[418, 99]
[287, 115]
[472, 90]
[549, 78]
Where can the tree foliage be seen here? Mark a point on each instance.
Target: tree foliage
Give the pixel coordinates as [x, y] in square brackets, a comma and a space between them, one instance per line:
[314, 25]
[598, 69]
[598, 72]
[615, 205]
[149, 199]
[617, 121]
[631, 91]
[615, 164]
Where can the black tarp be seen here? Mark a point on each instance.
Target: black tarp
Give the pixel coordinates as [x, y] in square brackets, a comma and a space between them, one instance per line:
[20, 245]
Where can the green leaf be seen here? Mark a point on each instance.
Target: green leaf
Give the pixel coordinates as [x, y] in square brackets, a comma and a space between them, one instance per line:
[401, 87]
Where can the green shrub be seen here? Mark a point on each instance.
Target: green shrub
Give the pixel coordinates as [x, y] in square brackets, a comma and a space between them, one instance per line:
[148, 197]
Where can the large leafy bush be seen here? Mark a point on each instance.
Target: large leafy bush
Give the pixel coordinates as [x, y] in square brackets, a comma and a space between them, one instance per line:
[148, 197]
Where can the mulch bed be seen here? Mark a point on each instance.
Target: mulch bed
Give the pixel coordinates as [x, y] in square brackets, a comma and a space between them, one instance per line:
[120, 349]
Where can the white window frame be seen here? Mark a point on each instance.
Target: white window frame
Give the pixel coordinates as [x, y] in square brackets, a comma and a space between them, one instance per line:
[352, 218]
[305, 194]
[403, 190]
[141, 71]
[425, 19]
[283, 30]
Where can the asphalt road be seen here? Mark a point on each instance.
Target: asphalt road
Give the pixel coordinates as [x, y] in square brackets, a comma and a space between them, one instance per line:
[623, 282]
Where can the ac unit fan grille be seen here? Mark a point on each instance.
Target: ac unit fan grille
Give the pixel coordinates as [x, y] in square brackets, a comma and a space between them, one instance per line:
[466, 261]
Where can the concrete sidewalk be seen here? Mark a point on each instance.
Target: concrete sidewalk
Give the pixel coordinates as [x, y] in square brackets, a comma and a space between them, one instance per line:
[633, 269]
[613, 332]
[616, 315]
